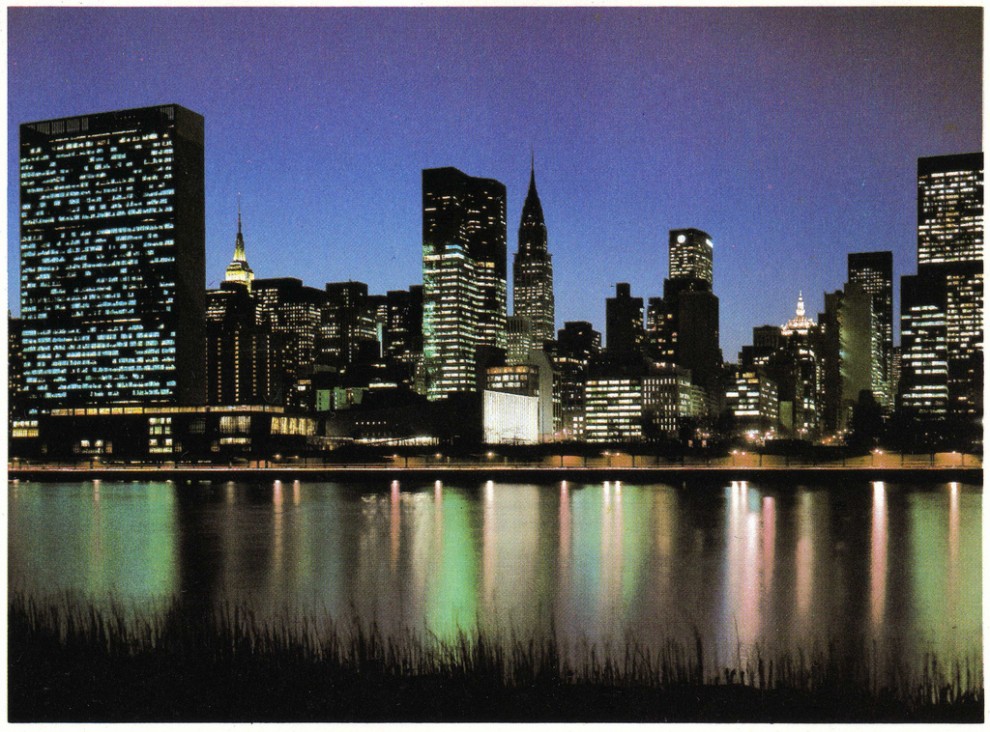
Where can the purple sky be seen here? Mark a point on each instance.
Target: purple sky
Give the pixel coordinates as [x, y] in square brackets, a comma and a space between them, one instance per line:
[791, 136]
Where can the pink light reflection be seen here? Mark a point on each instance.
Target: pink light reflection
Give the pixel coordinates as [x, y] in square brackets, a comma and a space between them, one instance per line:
[878, 556]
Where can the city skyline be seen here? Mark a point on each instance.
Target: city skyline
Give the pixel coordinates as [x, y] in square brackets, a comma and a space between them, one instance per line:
[786, 177]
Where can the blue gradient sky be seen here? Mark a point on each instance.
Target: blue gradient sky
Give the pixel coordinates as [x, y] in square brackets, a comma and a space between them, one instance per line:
[791, 136]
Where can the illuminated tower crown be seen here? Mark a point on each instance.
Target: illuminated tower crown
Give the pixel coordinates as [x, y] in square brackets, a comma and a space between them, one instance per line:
[799, 323]
[238, 270]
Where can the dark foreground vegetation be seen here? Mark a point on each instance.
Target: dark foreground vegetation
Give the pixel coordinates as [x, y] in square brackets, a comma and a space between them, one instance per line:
[70, 661]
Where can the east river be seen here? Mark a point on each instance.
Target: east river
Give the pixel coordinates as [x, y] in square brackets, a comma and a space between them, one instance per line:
[744, 564]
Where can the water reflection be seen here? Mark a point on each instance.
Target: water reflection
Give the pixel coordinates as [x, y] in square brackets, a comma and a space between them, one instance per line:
[878, 557]
[741, 563]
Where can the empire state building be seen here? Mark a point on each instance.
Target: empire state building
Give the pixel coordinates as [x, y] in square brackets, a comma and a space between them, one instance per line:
[532, 270]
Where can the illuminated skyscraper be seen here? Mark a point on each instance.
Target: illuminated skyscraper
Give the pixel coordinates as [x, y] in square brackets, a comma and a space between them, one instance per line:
[950, 209]
[690, 255]
[532, 270]
[464, 271]
[112, 259]
[942, 306]
[873, 271]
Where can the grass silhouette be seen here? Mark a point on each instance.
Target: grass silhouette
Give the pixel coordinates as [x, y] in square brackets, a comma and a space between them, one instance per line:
[70, 660]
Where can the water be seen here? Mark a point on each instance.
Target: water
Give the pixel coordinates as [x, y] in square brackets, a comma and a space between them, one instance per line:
[742, 563]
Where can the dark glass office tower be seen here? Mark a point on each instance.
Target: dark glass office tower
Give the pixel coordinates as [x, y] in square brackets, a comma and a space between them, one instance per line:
[113, 259]
[874, 272]
[624, 332]
[532, 270]
[464, 278]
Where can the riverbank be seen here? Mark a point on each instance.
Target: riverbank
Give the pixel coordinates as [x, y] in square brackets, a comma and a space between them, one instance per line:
[511, 473]
[73, 662]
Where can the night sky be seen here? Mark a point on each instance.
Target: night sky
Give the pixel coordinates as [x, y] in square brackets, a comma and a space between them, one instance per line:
[791, 136]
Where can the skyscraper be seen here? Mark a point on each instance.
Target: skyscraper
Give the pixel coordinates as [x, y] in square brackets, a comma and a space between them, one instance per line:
[690, 255]
[946, 301]
[873, 271]
[851, 347]
[464, 278]
[950, 209]
[290, 311]
[532, 270]
[684, 325]
[113, 258]
[624, 332]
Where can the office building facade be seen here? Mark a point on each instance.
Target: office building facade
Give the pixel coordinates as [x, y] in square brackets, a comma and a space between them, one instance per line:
[942, 306]
[873, 271]
[464, 278]
[113, 259]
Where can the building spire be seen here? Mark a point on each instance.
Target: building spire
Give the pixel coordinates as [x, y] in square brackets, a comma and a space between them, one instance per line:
[238, 270]
[800, 305]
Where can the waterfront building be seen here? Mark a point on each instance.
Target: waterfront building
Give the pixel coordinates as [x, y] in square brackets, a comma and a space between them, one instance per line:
[624, 334]
[946, 293]
[532, 271]
[873, 271]
[509, 418]
[113, 259]
[752, 400]
[464, 279]
[162, 433]
[613, 408]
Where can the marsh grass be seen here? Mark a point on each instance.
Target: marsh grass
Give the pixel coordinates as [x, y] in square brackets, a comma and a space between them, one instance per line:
[70, 660]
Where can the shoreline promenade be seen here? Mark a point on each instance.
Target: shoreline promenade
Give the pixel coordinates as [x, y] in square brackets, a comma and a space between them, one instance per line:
[971, 474]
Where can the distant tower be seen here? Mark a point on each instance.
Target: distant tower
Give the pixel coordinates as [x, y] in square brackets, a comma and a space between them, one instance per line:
[532, 270]
[238, 270]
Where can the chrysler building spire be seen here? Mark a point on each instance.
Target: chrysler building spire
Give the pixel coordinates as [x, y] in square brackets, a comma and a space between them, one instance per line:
[532, 268]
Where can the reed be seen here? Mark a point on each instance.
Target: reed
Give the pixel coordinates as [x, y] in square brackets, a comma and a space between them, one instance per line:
[71, 660]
